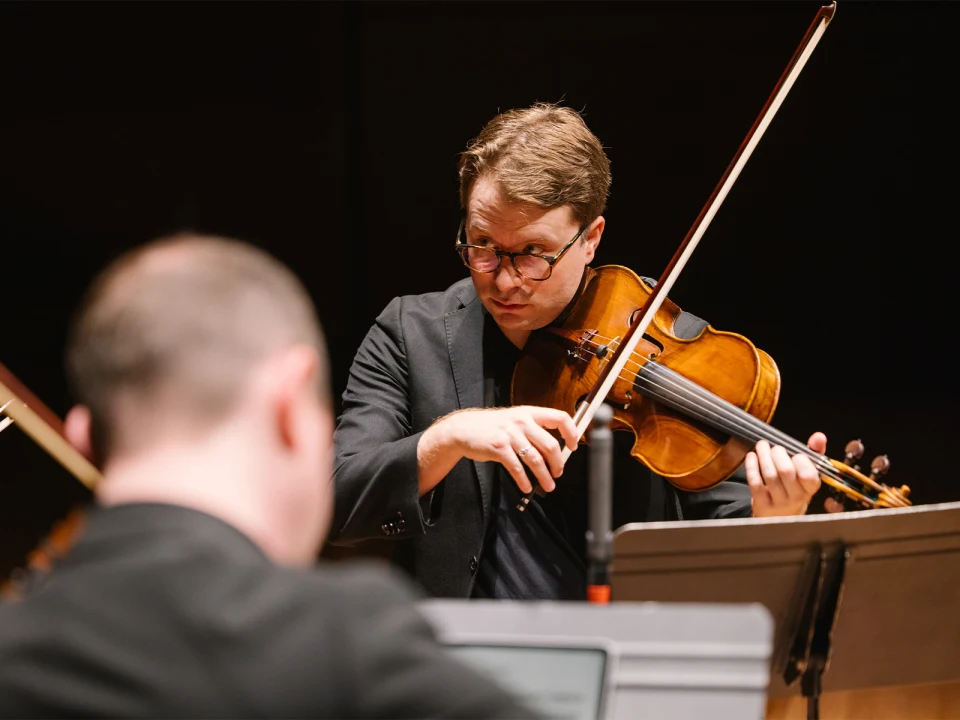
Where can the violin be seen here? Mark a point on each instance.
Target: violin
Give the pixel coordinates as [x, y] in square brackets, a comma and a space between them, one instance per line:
[696, 407]
[41, 559]
[19, 407]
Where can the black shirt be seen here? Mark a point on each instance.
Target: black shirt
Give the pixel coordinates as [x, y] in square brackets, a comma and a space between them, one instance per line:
[541, 553]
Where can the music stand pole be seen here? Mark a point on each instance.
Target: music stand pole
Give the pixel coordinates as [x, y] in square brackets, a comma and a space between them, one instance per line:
[600, 507]
[816, 628]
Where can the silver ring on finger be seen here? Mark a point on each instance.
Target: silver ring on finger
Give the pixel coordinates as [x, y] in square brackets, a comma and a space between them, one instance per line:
[521, 453]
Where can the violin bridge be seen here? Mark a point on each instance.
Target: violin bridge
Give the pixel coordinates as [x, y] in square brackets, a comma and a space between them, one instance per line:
[604, 350]
[583, 351]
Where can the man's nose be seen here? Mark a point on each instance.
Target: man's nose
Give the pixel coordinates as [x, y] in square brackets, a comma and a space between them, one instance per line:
[506, 276]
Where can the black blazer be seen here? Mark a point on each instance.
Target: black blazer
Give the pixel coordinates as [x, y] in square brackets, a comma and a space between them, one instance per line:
[421, 360]
[161, 611]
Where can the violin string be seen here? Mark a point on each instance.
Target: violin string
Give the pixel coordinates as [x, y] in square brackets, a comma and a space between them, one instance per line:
[733, 419]
[723, 415]
[666, 375]
[752, 430]
[699, 402]
[722, 407]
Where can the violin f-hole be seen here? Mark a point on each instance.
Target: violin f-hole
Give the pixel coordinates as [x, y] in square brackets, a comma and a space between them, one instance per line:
[649, 338]
[656, 343]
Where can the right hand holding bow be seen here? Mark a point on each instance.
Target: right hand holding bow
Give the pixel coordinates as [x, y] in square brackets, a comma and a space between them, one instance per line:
[513, 436]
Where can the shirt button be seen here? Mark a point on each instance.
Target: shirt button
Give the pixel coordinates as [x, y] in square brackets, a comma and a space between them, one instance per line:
[474, 564]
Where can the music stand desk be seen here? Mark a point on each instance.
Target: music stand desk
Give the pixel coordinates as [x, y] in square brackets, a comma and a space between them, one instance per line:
[875, 593]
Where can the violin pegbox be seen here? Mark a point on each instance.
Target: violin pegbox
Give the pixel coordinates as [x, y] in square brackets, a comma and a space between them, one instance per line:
[852, 452]
[886, 496]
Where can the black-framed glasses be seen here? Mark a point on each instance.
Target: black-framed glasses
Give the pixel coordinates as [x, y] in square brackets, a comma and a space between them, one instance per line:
[528, 265]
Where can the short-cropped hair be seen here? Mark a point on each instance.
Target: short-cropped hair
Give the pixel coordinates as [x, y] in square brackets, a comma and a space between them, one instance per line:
[186, 318]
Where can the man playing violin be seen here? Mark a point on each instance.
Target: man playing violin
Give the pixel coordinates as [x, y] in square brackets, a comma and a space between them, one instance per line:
[429, 453]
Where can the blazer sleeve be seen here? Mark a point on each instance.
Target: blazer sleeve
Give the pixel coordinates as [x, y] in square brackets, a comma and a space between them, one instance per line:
[376, 475]
[399, 666]
[729, 499]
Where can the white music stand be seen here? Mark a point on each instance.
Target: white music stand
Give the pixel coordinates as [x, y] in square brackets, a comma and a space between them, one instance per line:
[618, 661]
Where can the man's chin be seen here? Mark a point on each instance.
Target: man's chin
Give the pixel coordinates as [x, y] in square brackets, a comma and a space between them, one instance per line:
[508, 319]
[515, 321]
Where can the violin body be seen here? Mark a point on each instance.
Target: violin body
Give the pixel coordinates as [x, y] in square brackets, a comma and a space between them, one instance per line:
[559, 366]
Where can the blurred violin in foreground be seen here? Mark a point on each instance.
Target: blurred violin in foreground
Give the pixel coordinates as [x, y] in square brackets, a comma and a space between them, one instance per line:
[21, 408]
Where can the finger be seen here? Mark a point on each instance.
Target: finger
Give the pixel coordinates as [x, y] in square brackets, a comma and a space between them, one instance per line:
[768, 471]
[507, 456]
[761, 497]
[548, 446]
[817, 442]
[787, 473]
[808, 478]
[557, 420]
[532, 458]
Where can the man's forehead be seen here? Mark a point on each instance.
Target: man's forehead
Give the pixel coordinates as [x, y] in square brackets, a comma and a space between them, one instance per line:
[488, 208]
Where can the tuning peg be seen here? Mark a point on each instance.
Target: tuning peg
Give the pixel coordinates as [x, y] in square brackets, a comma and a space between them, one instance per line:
[879, 467]
[853, 452]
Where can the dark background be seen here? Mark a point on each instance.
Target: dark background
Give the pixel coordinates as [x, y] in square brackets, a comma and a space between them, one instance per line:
[329, 135]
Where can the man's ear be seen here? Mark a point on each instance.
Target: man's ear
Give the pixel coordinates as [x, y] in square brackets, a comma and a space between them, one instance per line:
[77, 429]
[593, 233]
[296, 384]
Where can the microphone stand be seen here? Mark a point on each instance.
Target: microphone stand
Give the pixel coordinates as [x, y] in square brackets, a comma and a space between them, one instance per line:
[600, 506]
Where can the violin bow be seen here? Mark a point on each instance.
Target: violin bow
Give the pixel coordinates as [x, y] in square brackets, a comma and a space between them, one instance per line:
[608, 376]
[39, 422]
[19, 406]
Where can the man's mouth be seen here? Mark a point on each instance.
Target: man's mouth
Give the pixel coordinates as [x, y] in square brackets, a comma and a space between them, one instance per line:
[501, 305]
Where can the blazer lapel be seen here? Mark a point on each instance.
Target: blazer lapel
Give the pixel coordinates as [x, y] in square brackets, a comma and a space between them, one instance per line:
[464, 330]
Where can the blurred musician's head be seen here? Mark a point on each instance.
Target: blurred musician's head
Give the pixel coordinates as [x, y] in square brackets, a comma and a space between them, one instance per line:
[200, 371]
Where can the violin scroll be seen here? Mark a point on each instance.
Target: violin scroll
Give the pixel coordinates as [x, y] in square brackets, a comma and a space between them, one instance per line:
[873, 494]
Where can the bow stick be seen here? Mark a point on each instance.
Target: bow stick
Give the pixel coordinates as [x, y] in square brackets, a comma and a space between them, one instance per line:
[585, 412]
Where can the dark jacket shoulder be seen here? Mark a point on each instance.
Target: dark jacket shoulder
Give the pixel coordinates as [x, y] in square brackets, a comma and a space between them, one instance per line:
[432, 305]
[165, 611]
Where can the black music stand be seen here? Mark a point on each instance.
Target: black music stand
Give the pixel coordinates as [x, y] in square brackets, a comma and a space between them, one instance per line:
[859, 599]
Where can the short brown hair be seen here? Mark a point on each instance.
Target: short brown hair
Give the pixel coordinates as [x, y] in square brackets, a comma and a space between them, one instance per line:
[545, 155]
[187, 315]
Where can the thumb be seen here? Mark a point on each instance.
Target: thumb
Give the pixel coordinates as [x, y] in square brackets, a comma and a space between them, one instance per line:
[817, 442]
